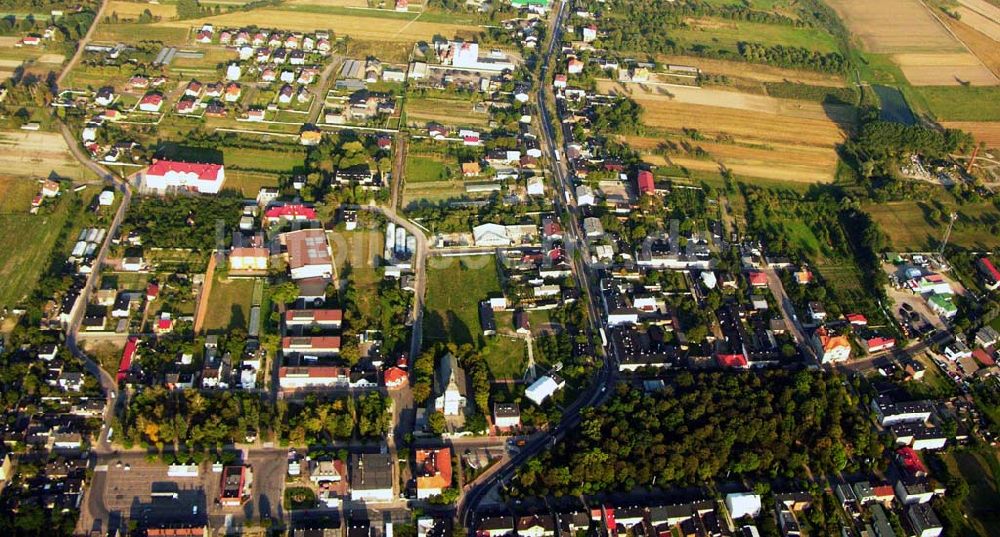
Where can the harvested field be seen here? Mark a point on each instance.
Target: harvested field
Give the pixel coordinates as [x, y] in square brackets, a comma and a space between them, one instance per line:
[783, 162]
[982, 24]
[765, 137]
[454, 112]
[756, 72]
[927, 53]
[895, 26]
[984, 131]
[51, 58]
[9, 64]
[947, 69]
[37, 154]
[337, 3]
[359, 27]
[986, 49]
[132, 10]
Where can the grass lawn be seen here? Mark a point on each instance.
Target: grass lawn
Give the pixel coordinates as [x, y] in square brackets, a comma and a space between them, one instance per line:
[506, 357]
[799, 233]
[249, 183]
[959, 103]
[455, 286]
[299, 498]
[910, 227]
[229, 305]
[445, 110]
[126, 281]
[983, 477]
[27, 240]
[286, 159]
[422, 169]
[358, 264]
[841, 278]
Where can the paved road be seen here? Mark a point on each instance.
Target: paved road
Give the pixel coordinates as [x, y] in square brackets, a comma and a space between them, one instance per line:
[606, 376]
[81, 45]
[788, 312]
[319, 93]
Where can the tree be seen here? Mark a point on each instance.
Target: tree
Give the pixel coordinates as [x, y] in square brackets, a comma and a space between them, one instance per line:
[285, 293]
[436, 422]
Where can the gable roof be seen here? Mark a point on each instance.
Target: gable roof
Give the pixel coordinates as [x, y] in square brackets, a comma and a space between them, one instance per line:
[205, 172]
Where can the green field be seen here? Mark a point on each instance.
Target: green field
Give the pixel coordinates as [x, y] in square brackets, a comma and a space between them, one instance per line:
[423, 169]
[910, 224]
[958, 103]
[506, 357]
[27, 240]
[287, 159]
[249, 183]
[423, 16]
[724, 34]
[229, 305]
[983, 477]
[133, 33]
[445, 110]
[455, 285]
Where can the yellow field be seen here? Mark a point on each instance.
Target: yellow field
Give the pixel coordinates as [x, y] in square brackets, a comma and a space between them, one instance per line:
[985, 48]
[369, 28]
[755, 72]
[922, 46]
[335, 3]
[769, 138]
[132, 10]
[37, 154]
[986, 26]
[948, 69]
[984, 131]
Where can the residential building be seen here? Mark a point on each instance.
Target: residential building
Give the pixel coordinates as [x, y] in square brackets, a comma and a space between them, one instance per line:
[741, 504]
[831, 348]
[164, 175]
[506, 415]
[924, 521]
[293, 378]
[372, 477]
[890, 412]
[235, 487]
[433, 471]
[989, 273]
[311, 345]
[326, 319]
[919, 436]
[309, 254]
[249, 259]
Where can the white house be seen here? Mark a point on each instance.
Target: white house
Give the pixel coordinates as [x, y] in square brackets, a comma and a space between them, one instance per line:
[536, 186]
[543, 388]
[490, 235]
[166, 174]
[584, 195]
[741, 504]
[506, 415]
[233, 72]
[372, 478]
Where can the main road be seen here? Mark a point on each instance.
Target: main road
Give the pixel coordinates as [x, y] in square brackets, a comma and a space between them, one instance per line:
[606, 376]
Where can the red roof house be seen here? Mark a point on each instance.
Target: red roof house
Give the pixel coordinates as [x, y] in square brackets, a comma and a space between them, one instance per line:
[166, 174]
[394, 377]
[731, 360]
[983, 358]
[290, 211]
[127, 356]
[989, 273]
[910, 462]
[857, 319]
[645, 181]
[757, 279]
[152, 291]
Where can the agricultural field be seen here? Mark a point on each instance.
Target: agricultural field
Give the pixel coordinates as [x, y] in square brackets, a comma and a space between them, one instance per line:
[452, 316]
[364, 25]
[454, 112]
[962, 103]
[38, 154]
[984, 131]
[27, 240]
[753, 72]
[919, 43]
[229, 305]
[35, 59]
[753, 135]
[132, 10]
[911, 226]
[722, 34]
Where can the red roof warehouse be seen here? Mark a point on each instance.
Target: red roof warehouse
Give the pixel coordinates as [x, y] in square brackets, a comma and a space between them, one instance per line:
[645, 181]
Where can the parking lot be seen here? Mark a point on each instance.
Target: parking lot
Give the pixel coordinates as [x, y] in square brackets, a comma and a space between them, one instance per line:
[143, 492]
